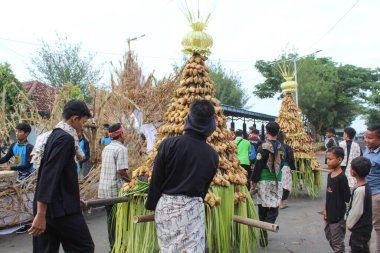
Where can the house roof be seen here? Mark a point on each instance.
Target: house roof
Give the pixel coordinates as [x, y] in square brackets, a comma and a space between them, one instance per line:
[42, 94]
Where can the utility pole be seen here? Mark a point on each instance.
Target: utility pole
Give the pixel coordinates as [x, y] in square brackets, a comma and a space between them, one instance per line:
[135, 38]
[295, 70]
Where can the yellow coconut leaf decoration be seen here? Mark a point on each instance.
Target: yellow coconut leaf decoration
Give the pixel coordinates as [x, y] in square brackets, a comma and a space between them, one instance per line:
[288, 72]
[197, 41]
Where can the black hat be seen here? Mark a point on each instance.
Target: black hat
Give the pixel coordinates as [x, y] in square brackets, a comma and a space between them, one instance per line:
[114, 127]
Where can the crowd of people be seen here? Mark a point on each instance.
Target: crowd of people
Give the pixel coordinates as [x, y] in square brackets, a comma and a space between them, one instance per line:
[353, 186]
[183, 171]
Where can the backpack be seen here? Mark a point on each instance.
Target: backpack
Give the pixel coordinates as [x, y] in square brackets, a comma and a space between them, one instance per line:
[252, 155]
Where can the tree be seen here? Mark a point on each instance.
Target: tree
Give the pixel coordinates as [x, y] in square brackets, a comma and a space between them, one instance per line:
[13, 87]
[63, 63]
[228, 85]
[329, 94]
[372, 98]
[69, 92]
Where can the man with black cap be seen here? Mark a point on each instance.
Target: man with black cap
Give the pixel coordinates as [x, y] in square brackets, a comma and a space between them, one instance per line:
[113, 172]
[183, 170]
[267, 176]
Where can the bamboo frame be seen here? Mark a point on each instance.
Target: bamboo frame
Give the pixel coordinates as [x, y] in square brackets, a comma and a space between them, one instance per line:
[236, 218]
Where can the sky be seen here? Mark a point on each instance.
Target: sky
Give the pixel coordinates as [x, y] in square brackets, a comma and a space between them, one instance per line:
[243, 31]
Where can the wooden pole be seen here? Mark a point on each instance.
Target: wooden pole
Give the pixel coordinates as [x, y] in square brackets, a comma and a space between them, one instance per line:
[104, 202]
[236, 218]
[143, 218]
[322, 169]
[256, 223]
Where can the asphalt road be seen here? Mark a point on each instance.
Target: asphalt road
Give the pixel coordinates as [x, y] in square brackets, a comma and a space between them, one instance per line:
[301, 230]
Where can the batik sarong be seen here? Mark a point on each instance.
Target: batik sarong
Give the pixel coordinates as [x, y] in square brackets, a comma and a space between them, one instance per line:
[180, 224]
[286, 178]
[269, 193]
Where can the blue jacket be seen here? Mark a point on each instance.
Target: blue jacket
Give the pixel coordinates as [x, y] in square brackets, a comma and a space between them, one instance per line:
[373, 178]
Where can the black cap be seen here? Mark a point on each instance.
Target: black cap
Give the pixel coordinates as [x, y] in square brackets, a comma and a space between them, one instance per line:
[114, 127]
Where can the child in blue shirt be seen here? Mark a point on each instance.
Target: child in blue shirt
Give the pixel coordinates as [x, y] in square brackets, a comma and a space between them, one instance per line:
[105, 140]
[20, 150]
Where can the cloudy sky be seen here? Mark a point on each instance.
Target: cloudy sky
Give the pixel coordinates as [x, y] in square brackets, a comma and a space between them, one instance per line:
[244, 31]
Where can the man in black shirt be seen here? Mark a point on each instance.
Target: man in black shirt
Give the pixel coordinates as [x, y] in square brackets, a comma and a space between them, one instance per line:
[337, 195]
[183, 170]
[267, 178]
[58, 218]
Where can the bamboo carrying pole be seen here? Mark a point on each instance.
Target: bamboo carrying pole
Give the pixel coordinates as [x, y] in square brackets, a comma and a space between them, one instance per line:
[143, 218]
[104, 202]
[322, 169]
[257, 223]
[236, 218]
[316, 170]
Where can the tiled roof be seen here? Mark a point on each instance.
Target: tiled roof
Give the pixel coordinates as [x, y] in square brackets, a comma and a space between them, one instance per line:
[42, 94]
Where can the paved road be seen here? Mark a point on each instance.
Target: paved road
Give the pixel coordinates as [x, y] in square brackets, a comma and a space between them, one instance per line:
[301, 231]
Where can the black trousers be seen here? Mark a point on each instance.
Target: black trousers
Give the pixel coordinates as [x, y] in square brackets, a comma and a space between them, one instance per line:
[359, 242]
[249, 170]
[267, 214]
[285, 194]
[71, 231]
[110, 225]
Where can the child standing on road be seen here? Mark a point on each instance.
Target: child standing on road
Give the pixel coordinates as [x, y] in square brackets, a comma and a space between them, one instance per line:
[337, 195]
[359, 215]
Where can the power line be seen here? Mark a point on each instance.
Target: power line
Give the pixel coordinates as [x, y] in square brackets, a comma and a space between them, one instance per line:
[118, 54]
[332, 27]
[21, 41]
[18, 55]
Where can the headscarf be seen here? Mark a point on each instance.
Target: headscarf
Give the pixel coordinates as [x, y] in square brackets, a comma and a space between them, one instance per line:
[38, 150]
[116, 133]
[202, 125]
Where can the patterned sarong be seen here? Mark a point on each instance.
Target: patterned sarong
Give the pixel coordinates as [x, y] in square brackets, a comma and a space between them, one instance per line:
[269, 193]
[286, 178]
[180, 224]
